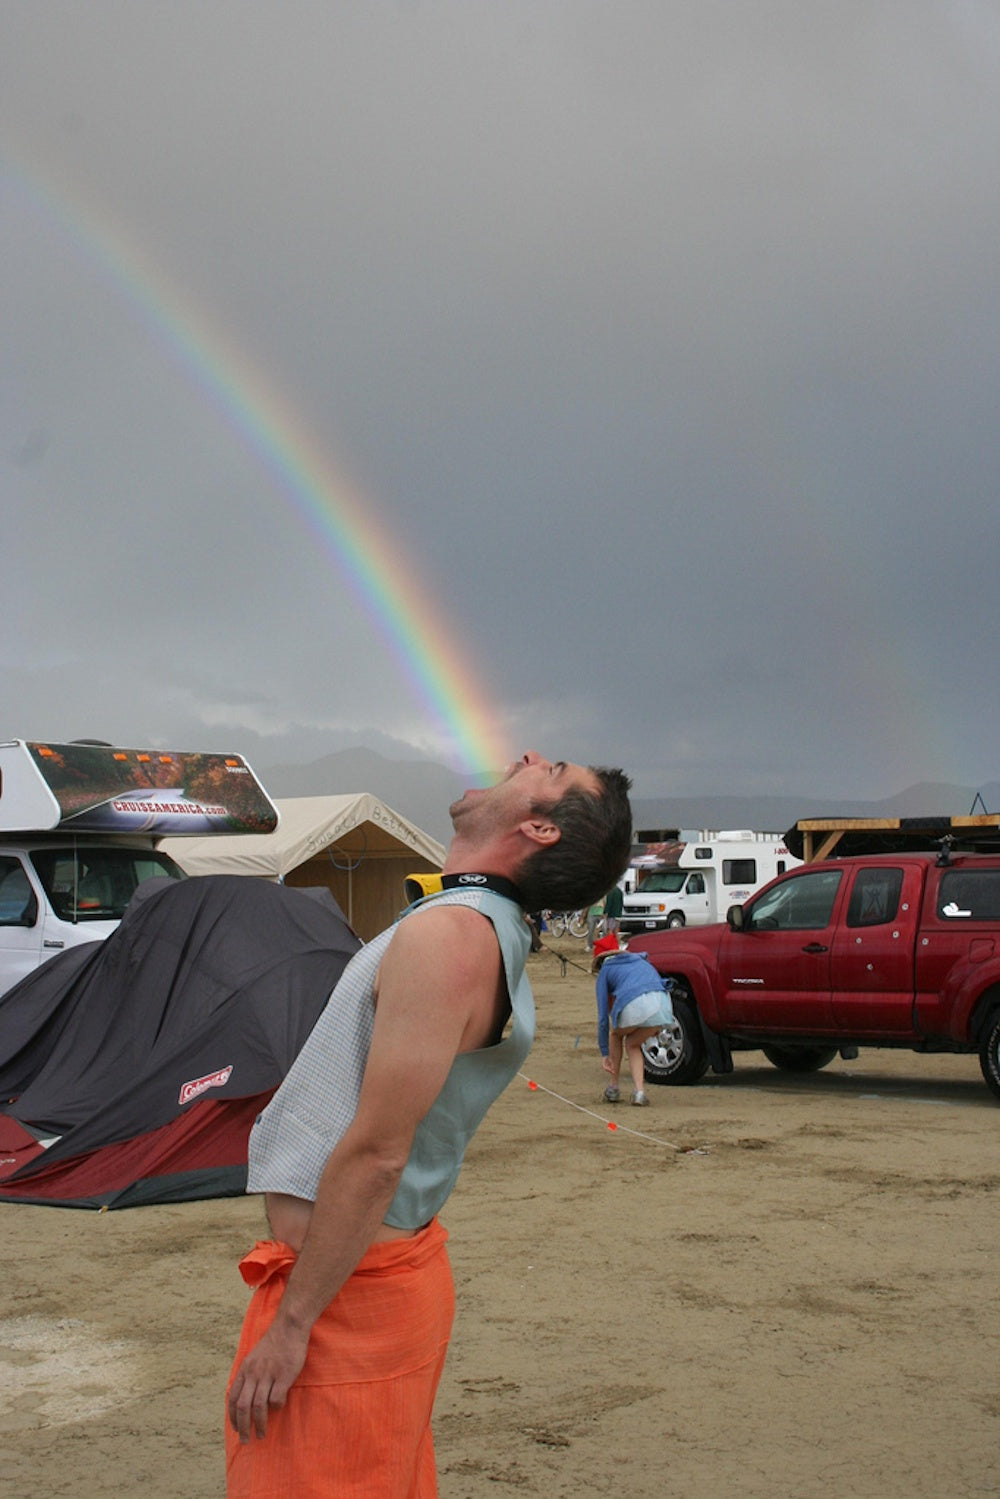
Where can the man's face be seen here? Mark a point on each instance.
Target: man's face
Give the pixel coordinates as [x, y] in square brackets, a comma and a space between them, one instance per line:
[529, 783]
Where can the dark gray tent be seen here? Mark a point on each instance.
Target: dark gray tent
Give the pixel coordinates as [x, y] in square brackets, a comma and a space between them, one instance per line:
[132, 1069]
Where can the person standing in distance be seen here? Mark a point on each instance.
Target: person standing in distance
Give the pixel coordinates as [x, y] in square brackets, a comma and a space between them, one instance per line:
[346, 1333]
[614, 904]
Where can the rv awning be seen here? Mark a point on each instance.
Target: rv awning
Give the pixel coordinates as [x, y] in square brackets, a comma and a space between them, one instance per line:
[355, 825]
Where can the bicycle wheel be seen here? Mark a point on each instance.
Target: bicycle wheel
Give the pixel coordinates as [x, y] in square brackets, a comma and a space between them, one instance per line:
[577, 923]
[558, 923]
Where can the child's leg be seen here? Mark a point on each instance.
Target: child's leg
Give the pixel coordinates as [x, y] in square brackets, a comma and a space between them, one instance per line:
[614, 1057]
[633, 1050]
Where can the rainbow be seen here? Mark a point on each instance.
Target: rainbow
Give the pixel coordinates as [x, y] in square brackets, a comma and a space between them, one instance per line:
[345, 527]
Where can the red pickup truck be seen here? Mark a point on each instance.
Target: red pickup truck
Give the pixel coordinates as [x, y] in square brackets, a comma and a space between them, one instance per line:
[899, 950]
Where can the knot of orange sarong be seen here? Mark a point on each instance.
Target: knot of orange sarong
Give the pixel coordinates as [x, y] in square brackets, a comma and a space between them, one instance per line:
[268, 1257]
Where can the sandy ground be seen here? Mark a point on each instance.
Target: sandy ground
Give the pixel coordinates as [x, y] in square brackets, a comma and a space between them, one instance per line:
[763, 1287]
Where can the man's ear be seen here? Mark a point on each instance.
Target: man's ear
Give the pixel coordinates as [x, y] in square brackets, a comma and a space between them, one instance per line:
[540, 829]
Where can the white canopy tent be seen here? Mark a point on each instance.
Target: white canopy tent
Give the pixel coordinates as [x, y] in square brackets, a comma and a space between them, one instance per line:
[355, 845]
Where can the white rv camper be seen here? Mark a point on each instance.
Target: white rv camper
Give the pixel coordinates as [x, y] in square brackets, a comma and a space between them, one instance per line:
[702, 879]
[79, 825]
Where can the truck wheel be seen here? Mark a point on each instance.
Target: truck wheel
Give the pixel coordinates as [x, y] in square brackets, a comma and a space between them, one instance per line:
[989, 1055]
[799, 1058]
[677, 1055]
[676, 918]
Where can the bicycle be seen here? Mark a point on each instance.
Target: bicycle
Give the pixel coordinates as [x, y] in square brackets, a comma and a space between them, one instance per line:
[566, 923]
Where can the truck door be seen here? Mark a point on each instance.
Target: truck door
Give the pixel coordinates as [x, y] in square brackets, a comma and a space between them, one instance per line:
[871, 967]
[775, 974]
[20, 923]
[696, 903]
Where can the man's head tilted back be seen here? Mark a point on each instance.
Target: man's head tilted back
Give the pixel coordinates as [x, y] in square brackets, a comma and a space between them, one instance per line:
[569, 827]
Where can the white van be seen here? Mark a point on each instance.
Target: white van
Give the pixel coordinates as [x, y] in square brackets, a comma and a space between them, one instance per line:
[79, 824]
[707, 876]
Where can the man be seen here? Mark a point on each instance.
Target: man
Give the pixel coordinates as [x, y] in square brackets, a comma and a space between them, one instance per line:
[614, 904]
[346, 1334]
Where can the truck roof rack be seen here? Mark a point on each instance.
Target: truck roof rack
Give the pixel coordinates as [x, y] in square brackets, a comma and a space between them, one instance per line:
[815, 838]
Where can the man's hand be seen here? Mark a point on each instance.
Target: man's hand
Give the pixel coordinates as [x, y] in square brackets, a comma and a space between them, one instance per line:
[264, 1379]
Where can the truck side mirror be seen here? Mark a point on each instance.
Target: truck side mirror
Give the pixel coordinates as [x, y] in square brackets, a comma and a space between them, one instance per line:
[734, 917]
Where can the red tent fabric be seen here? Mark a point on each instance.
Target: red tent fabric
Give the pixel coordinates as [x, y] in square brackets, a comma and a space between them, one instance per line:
[133, 1069]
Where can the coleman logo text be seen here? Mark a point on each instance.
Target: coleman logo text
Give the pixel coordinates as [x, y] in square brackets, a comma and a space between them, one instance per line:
[199, 1085]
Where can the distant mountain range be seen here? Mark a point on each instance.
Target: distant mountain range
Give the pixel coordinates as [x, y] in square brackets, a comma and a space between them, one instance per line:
[417, 789]
[422, 792]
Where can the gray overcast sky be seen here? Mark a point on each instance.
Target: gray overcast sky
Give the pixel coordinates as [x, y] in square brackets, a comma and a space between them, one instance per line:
[664, 339]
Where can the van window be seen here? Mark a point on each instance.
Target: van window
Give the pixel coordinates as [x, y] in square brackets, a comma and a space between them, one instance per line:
[875, 897]
[969, 895]
[696, 885]
[96, 884]
[739, 871]
[18, 903]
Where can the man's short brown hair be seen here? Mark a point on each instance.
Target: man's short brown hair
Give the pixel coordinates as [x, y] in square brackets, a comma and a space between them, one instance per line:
[595, 840]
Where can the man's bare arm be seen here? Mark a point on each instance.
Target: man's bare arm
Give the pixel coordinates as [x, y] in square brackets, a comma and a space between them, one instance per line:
[437, 995]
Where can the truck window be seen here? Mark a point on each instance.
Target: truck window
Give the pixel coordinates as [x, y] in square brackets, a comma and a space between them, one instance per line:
[696, 884]
[875, 897]
[969, 895]
[803, 903]
[18, 904]
[739, 871]
[96, 884]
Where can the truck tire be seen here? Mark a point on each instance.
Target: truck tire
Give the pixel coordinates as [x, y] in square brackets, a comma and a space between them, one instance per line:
[677, 1055]
[675, 919]
[799, 1058]
[989, 1054]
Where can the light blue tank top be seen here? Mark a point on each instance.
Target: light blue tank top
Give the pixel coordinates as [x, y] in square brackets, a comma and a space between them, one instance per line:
[292, 1139]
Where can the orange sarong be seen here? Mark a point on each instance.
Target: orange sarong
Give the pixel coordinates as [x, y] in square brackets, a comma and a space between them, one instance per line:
[356, 1424]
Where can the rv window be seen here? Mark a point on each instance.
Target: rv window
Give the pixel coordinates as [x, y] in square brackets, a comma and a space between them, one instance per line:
[739, 871]
[96, 884]
[666, 881]
[18, 905]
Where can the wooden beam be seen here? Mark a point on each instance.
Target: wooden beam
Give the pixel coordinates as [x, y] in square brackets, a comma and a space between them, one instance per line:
[827, 846]
[847, 824]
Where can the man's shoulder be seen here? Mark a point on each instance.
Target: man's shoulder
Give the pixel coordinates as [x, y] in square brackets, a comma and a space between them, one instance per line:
[462, 907]
[441, 921]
